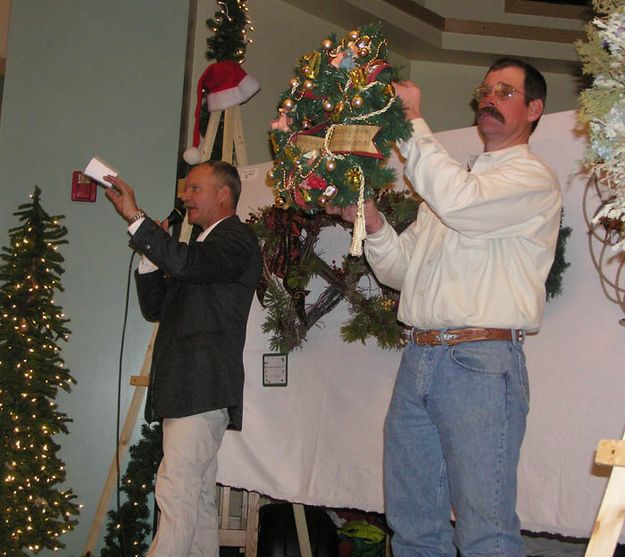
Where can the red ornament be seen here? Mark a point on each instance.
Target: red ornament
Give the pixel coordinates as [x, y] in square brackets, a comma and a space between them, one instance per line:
[314, 182]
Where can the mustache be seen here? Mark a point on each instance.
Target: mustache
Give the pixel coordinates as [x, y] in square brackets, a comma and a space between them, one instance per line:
[491, 111]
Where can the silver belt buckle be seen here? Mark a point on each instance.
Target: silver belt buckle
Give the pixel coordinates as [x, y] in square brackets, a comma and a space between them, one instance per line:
[446, 336]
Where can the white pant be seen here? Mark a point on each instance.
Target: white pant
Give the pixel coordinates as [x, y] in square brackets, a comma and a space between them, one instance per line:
[185, 486]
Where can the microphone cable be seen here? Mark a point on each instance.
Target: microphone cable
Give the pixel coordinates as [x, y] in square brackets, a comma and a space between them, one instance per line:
[175, 217]
[121, 534]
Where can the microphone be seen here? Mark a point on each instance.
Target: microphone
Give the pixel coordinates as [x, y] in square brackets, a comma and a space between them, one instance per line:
[177, 214]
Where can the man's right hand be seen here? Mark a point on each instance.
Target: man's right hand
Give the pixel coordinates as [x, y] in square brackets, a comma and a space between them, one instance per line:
[373, 217]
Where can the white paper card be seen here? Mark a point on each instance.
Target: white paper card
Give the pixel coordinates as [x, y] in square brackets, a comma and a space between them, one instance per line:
[97, 169]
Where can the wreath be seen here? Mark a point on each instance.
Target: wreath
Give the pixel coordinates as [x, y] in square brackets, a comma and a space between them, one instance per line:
[337, 123]
[289, 238]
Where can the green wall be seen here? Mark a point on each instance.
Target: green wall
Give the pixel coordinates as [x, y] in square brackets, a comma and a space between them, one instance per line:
[87, 77]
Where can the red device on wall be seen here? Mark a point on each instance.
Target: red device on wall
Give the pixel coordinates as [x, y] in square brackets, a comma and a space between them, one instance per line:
[83, 187]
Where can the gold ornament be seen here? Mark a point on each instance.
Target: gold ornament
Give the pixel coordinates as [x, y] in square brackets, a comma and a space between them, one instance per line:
[309, 84]
[331, 165]
[279, 202]
[305, 195]
[322, 200]
[306, 124]
[363, 52]
[274, 143]
[327, 44]
[290, 153]
[358, 77]
[288, 104]
[293, 82]
[357, 101]
[327, 105]
[363, 42]
[353, 35]
[311, 64]
[352, 177]
[336, 113]
[271, 174]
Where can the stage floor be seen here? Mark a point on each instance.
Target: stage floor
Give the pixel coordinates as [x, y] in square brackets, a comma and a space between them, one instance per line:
[558, 546]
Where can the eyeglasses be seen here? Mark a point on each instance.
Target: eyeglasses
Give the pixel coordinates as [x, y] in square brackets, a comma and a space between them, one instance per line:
[502, 91]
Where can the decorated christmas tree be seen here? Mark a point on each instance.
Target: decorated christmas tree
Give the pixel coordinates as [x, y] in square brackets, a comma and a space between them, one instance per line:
[230, 26]
[337, 123]
[36, 509]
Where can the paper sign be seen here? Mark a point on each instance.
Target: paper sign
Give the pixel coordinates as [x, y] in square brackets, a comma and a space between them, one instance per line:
[97, 169]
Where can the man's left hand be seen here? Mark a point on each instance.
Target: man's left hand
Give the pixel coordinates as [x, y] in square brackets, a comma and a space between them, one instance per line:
[410, 96]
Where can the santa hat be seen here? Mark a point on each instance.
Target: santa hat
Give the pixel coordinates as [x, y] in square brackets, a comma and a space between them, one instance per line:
[227, 84]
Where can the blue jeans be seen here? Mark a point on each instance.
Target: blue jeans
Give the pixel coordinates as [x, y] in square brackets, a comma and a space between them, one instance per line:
[451, 439]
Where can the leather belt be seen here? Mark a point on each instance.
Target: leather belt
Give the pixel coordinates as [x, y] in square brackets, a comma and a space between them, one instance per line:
[468, 334]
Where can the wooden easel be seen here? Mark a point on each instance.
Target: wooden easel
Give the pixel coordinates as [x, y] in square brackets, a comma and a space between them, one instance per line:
[609, 523]
[232, 139]
[241, 532]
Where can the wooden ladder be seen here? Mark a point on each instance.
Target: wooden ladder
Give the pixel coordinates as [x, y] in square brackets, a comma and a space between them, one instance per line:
[609, 523]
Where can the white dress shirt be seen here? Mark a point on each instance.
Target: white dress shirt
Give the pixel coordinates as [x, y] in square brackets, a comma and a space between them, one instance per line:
[483, 242]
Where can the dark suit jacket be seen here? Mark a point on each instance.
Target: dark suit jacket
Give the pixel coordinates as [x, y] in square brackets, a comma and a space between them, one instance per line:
[201, 295]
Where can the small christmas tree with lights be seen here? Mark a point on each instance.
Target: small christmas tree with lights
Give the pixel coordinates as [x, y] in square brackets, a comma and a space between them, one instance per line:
[35, 510]
[230, 26]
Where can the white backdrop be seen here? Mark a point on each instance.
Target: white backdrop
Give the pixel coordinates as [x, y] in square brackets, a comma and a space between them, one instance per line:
[319, 440]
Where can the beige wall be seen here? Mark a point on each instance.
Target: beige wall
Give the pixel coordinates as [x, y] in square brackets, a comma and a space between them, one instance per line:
[283, 33]
[447, 92]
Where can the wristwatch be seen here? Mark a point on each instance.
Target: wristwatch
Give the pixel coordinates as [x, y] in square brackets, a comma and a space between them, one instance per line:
[138, 215]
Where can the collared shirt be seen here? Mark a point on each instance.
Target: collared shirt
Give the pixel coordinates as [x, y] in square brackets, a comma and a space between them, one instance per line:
[483, 242]
[145, 265]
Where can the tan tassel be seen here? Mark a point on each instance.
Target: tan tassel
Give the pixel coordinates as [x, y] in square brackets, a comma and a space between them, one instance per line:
[360, 232]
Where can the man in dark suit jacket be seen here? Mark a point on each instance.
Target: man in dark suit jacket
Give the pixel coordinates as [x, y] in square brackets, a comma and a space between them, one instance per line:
[200, 294]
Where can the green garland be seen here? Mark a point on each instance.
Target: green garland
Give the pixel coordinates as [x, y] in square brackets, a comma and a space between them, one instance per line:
[132, 525]
[337, 123]
[289, 238]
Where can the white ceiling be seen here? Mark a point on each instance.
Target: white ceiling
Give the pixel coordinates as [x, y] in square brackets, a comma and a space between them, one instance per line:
[466, 31]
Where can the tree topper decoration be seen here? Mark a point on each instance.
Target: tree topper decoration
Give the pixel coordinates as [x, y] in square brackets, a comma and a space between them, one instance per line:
[336, 126]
